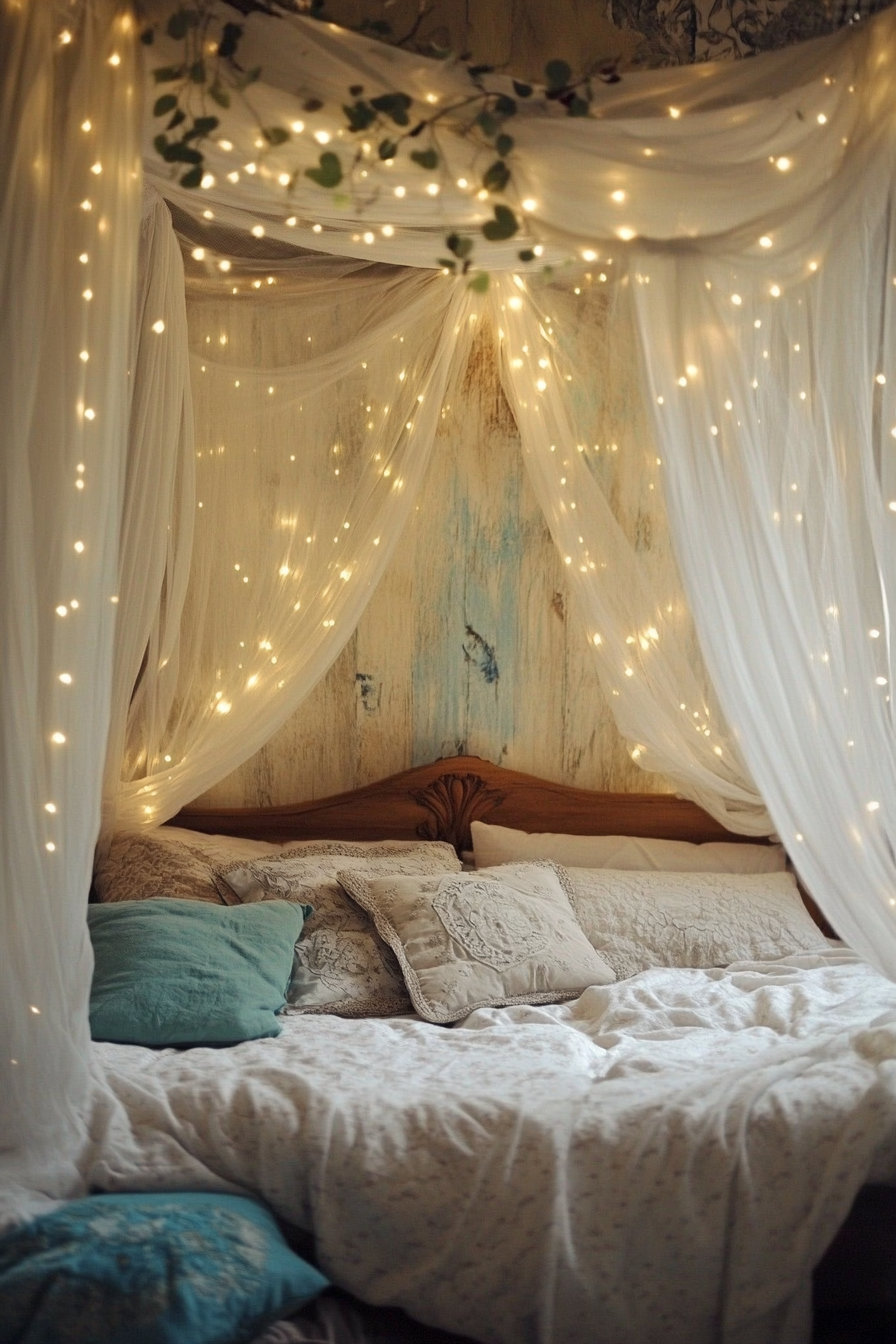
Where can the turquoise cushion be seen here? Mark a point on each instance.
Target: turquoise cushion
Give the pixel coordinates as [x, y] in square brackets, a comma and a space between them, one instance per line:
[149, 1269]
[171, 972]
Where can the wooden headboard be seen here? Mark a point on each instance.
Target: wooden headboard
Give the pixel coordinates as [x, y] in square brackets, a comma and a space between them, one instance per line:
[438, 802]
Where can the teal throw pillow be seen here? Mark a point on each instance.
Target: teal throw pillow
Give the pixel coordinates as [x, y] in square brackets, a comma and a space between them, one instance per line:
[149, 1269]
[171, 972]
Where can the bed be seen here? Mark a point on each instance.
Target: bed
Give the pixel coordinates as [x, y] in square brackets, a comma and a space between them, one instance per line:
[668, 1157]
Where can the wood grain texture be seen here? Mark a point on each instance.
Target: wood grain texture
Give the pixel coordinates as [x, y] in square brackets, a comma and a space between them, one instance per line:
[439, 800]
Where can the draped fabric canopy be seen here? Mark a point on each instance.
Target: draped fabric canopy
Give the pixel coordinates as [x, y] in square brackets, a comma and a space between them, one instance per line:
[282, 406]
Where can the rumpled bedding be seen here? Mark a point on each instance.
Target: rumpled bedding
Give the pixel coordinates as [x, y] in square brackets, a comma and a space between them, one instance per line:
[664, 1159]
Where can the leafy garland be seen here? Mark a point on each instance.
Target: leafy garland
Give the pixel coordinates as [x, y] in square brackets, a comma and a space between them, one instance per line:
[210, 72]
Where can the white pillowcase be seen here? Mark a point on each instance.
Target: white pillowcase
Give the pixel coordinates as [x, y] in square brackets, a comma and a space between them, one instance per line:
[171, 861]
[503, 844]
[639, 920]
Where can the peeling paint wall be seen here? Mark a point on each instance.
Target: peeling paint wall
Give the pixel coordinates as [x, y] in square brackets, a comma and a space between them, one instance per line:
[471, 642]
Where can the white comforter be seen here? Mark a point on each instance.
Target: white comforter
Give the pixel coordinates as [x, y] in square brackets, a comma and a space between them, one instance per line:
[662, 1160]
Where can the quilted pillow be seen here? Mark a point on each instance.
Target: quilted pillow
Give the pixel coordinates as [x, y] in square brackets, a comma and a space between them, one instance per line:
[486, 939]
[341, 966]
[640, 920]
[149, 1269]
[170, 861]
[504, 844]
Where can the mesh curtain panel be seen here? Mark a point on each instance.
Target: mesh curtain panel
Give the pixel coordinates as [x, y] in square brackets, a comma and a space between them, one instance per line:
[317, 386]
[69, 212]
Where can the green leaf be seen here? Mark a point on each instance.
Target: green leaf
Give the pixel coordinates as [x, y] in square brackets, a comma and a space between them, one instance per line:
[205, 125]
[180, 23]
[167, 103]
[578, 108]
[394, 105]
[148, 36]
[479, 282]
[275, 135]
[505, 107]
[447, 263]
[192, 178]
[526, 255]
[522, 90]
[388, 149]
[504, 225]
[356, 90]
[487, 123]
[312, 105]
[497, 177]
[181, 153]
[558, 74]
[221, 96]
[197, 72]
[427, 158]
[461, 247]
[230, 40]
[329, 171]
[359, 115]
[165, 74]
[161, 143]
[504, 144]
[179, 116]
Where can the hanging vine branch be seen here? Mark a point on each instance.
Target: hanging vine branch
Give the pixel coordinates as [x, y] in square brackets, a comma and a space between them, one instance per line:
[209, 75]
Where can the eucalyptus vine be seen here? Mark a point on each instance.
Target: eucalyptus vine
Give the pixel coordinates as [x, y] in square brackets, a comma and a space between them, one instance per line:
[195, 94]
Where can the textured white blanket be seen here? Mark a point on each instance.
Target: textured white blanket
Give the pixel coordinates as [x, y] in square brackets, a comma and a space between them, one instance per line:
[662, 1160]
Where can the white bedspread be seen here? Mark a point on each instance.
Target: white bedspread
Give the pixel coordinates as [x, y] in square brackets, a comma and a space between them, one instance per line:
[661, 1160]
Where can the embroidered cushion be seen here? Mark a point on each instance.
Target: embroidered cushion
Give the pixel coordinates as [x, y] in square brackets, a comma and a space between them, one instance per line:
[169, 861]
[171, 972]
[472, 940]
[342, 966]
[639, 920]
[149, 1269]
[503, 844]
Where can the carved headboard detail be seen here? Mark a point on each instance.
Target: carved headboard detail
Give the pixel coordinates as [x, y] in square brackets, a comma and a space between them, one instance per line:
[440, 800]
[454, 802]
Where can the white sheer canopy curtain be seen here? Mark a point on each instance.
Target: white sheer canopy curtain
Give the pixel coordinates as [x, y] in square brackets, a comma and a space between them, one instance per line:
[69, 211]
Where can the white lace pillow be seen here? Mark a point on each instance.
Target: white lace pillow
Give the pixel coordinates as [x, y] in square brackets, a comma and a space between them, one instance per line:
[171, 861]
[484, 939]
[341, 964]
[503, 844]
[640, 920]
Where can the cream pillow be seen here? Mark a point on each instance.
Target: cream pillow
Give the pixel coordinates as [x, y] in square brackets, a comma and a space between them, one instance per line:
[341, 964]
[171, 861]
[484, 939]
[503, 844]
[639, 920]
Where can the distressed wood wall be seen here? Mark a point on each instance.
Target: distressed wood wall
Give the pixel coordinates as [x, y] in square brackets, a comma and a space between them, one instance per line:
[471, 644]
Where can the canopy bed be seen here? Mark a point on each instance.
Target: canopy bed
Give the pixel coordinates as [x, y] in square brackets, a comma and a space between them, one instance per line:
[222, 399]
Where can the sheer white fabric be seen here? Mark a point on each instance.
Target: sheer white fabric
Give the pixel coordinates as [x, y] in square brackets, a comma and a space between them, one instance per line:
[69, 206]
[318, 388]
[639, 622]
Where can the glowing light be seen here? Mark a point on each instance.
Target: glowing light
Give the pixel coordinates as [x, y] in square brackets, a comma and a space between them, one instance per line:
[65, 37]
[79, 547]
[224, 265]
[198, 254]
[251, 168]
[291, 222]
[674, 113]
[400, 192]
[257, 231]
[691, 370]
[433, 189]
[529, 204]
[225, 145]
[880, 379]
[588, 255]
[316, 228]
[682, 382]
[323, 137]
[50, 807]
[58, 738]
[369, 238]
[283, 179]
[821, 119]
[50, 846]
[872, 806]
[86, 125]
[158, 327]
[84, 356]
[88, 295]
[208, 180]
[90, 413]
[115, 59]
[65, 678]
[515, 302]
[86, 205]
[765, 241]
[775, 291]
[783, 164]
[880, 681]
[626, 234]
[223, 707]
[298, 127]
[736, 300]
[618, 196]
